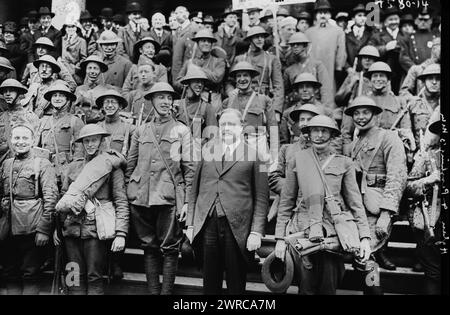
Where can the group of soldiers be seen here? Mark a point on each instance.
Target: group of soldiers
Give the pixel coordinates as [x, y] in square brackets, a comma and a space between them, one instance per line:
[196, 124]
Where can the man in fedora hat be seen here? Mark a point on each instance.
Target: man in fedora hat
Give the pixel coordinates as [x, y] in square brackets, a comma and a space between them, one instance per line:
[45, 17]
[59, 130]
[253, 16]
[12, 93]
[163, 37]
[16, 55]
[304, 21]
[358, 37]
[106, 21]
[229, 34]
[118, 65]
[88, 31]
[388, 42]
[28, 187]
[213, 67]
[209, 23]
[29, 37]
[411, 85]
[183, 49]
[417, 47]
[321, 272]
[327, 41]
[407, 24]
[226, 222]
[132, 32]
[159, 188]
[49, 70]
[269, 79]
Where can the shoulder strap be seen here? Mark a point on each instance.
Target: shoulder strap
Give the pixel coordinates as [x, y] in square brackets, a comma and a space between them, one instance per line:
[36, 166]
[377, 147]
[162, 156]
[247, 106]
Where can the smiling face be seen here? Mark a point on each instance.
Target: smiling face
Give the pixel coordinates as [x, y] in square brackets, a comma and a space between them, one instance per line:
[111, 105]
[87, 25]
[162, 102]
[196, 86]
[363, 118]
[109, 49]
[323, 16]
[158, 21]
[22, 140]
[59, 100]
[379, 80]
[92, 144]
[93, 70]
[230, 127]
[46, 21]
[243, 80]
[148, 50]
[135, 17]
[9, 37]
[392, 22]
[205, 45]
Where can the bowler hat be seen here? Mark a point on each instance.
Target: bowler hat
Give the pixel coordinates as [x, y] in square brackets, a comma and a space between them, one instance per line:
[45, 11]
[106, 13]
[86, 16]
[322, 5]
[358, 9]
[134, 7]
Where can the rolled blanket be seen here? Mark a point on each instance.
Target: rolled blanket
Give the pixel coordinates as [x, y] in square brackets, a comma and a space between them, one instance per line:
[89, 181]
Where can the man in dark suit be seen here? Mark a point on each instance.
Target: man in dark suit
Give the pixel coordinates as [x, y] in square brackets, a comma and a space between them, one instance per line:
[388, 42]
[359, 35]
[133, 31]
[163, 37]
[227, 207]
[48, 30]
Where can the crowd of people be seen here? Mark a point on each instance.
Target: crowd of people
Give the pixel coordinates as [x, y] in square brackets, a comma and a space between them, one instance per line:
[184, 130]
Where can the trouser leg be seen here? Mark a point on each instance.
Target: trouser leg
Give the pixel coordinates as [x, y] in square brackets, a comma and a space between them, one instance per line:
[75, 258]
[430, 258]
[95, 257]
[212, 259]
[152, 261]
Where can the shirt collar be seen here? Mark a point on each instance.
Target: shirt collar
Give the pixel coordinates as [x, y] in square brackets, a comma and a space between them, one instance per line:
[232, 146]
[394, 33]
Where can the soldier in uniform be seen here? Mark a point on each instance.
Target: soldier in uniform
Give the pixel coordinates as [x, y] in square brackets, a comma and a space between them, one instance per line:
[35, 98]
[94, 85]
[159, 195]
[80, 233]
[41, 47]
[304, 62]
[306, 88]
[58, 131]
[145, 51]
[29, 191]
[393, 115]
[423, 187]
[257, 111]
[322, 272]
[269, 79]
[381, 171]
[213, 67]
[423, 106]
[111, 102]
[12, 91]
[193, 110]
[118, 66]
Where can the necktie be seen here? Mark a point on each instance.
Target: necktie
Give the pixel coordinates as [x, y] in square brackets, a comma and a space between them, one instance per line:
[226, 157]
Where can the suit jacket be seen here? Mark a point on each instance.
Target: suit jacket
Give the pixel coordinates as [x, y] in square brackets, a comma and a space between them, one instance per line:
[183, 47]
[26, 45]
[353, 45]
[241, 187]
[165, 54]
[129, 39]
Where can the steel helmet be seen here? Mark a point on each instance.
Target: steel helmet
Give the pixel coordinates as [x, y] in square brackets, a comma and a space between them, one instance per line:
[256, 30]
[194, 72]
[299, 38]
[322, 121]
[160, 87]
[6, 64]
[108, 37]
[91, 130]
[276, 274]
[370, 51]
[147, 39]
[433, 69]
[244, 66]
[379, 66]
[363, 101]
[50, 60]
[13, 84]
[111, 93]
[96, 59]
[204, 34]
[307, 77]
[59, 86]
[309, 108]
[44, 41]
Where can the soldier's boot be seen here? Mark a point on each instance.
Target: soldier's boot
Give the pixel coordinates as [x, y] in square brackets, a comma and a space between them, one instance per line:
[14, 288]
[170, 267]
[151, 265]
[384, 261]
[31, 287]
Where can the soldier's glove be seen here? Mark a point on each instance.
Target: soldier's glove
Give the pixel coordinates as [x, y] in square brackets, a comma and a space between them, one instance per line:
[381, 228]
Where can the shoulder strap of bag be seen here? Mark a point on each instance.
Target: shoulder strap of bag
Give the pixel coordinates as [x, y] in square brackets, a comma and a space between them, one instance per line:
[162, 156]
[52, 126]
[328, 193]
[247, 106]
[36, 167]
[377, 147]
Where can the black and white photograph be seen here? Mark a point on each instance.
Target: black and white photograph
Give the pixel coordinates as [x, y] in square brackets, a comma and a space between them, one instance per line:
[246, 150]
